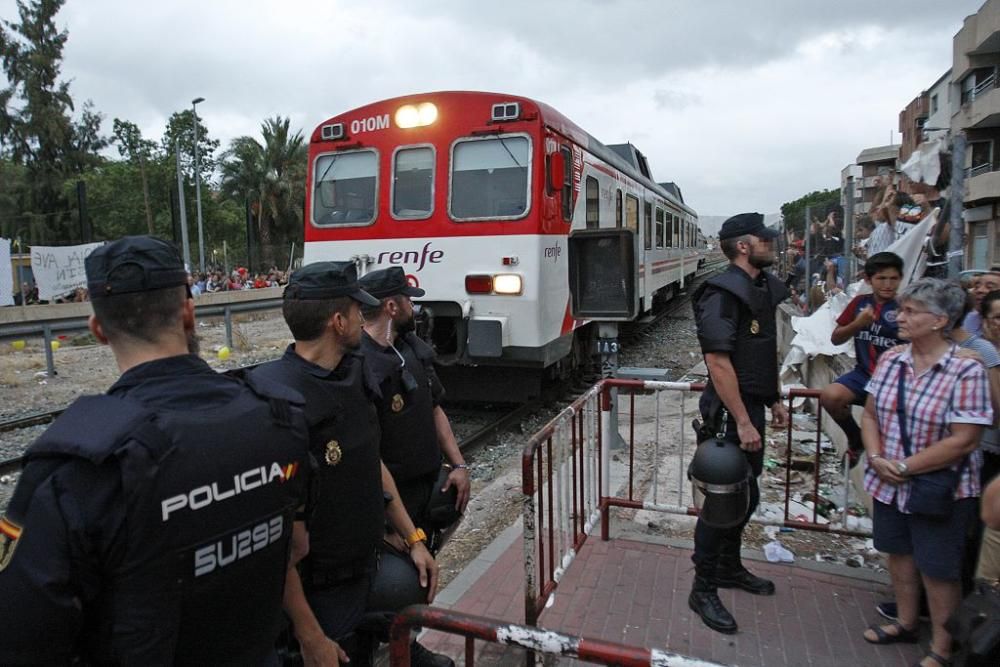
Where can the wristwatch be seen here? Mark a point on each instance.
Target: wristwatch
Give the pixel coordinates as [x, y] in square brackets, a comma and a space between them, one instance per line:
[417, 536]
[902, 469]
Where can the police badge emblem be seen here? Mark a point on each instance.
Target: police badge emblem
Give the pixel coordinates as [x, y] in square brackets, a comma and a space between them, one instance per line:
[10, 532]
[397, 403]
[754, 327]
[333, 453]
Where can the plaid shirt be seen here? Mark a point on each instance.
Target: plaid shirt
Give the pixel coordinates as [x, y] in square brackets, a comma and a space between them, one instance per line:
[952, 391]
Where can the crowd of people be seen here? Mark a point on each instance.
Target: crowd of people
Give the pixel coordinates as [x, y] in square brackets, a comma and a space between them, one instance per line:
[240, 278]
[892, 214]
[928, 376]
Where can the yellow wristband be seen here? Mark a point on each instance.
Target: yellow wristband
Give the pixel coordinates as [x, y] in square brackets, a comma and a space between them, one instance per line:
[418, 536]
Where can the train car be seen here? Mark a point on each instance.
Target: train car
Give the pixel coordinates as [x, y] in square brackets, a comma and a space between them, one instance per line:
[521, 227]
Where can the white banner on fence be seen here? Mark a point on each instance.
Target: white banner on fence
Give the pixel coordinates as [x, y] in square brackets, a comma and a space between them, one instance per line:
[59, 270]
[6, 274]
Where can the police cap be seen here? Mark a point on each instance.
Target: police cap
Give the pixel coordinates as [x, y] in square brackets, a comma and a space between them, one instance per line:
[746, 223]
[328, 280]
[388, 282]
[155, 264]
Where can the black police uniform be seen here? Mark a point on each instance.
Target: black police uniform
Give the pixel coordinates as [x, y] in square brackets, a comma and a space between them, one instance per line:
[155, 521]
[346, 516]
[346, 511]
[410, 447]
[735, 314]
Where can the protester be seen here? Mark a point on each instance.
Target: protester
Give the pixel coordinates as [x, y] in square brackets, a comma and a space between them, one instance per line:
[870, 319]
[925, 413]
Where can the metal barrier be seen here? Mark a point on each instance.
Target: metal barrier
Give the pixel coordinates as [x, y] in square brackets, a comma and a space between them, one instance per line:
[567, 480]
[48, 328]
[534, 640]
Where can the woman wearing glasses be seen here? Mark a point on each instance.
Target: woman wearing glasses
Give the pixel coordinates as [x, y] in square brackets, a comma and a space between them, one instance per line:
[926, 410]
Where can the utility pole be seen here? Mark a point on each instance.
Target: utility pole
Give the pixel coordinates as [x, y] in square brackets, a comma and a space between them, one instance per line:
[956, 192]
[197, 186]
[183, 211]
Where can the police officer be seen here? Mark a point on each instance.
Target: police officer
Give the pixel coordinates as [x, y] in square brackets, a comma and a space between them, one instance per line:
[735, 316]
[415, 429]
[345, 517]
[151, 525]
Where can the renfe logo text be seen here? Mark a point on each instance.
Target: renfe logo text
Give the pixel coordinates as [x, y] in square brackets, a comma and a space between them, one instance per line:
[418, 257]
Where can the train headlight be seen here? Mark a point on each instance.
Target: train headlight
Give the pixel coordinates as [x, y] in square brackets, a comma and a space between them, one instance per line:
[416, 115]
[507, 283]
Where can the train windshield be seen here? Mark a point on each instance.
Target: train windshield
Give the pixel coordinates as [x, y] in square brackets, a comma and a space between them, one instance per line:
[344, 188]
[489, 178]
[413, 183]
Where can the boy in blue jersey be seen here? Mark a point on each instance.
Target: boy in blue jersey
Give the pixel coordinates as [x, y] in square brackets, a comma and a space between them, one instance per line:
[871, 320]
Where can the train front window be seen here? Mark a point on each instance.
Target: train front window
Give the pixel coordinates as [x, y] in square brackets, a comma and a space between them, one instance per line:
[344, 188]
[489, 178]
[413, 183]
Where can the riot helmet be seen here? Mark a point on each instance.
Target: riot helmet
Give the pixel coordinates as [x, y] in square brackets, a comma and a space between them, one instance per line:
[395, 585]
[441, 512]
[720, 482]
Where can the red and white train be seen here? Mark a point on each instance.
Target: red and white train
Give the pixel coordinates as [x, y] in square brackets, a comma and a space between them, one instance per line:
[521, 227]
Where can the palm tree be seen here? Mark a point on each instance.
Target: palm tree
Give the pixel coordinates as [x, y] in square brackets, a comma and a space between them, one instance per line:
[270, 174]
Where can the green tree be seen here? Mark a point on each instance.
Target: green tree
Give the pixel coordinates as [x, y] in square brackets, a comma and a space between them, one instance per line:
[819, 202]
[270, 175]
[180, 127]
[138, 151]
[36, 127]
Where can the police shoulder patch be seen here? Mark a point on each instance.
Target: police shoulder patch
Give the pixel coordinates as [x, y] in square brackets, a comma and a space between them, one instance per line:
[10, 533]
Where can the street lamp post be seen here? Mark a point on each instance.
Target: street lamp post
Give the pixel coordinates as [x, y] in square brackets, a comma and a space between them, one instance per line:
[197, 186]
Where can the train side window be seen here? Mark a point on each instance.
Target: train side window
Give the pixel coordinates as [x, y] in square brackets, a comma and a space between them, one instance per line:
[668, 237]
[632, 213]
[567, 191]
[593, 203]
[344, 188]
[413, 183]
[659, 227]
[647, 209]
[618, 208]
[677, 232]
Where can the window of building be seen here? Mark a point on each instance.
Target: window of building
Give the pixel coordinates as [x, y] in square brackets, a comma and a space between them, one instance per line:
[413, 182]
[934, 104]
[489, 178]
[344, 188]
[593, 203]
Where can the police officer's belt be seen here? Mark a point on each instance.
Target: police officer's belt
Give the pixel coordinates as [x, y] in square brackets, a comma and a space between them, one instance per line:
[319, 575]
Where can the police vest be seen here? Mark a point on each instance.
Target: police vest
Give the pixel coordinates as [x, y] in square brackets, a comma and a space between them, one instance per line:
[409, 441]
[755, 355]
[347, 509]
[209, 499]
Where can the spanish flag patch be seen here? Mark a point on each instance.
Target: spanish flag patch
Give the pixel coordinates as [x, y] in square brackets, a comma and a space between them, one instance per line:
[10, 532]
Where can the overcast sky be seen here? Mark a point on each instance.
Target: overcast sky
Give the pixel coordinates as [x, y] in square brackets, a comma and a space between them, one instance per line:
[746, 104]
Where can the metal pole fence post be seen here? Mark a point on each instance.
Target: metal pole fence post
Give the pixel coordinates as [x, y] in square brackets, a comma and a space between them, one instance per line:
[956, 239]
[229, 327]
[50, 361]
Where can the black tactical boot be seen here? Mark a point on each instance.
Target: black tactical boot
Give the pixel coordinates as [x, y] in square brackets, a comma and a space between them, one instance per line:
[731, 574]
[421, 657]
[704, 601]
